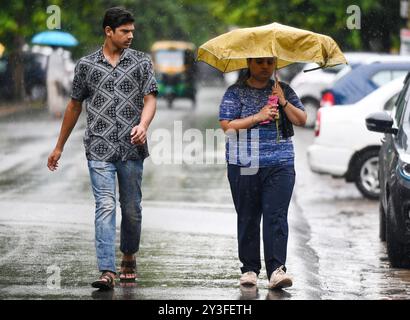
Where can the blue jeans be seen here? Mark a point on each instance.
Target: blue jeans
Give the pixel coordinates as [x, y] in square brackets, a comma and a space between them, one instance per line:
[103, 182]
[268, 194]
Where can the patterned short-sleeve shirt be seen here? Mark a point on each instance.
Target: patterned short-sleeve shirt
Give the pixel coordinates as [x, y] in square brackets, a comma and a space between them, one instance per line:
[114, 98]
[241, 101]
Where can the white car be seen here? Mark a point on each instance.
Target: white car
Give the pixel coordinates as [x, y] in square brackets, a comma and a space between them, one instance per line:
[343, 147]
[309, 85]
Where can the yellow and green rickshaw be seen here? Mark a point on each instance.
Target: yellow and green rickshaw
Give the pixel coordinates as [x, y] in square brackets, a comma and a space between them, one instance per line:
[174, 65]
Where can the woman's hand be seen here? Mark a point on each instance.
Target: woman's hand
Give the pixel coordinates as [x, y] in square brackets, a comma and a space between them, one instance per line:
[268, 112]
[277, 91]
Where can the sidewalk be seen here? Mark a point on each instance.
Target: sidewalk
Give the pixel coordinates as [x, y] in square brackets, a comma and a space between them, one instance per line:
[8, 108]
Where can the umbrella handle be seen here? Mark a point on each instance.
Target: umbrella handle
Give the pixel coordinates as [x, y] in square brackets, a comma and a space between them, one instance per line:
[273, 100]
[275, 75]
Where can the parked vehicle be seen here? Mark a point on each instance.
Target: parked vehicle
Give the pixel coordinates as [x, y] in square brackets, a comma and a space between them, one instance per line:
[309, 85]
[34, 76]
[288, 73]
[394, 175]
[364, 79]
[344, 148]
[175, 70]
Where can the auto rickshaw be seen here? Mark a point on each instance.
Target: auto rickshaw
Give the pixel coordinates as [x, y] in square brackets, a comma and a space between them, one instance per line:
[174, 65]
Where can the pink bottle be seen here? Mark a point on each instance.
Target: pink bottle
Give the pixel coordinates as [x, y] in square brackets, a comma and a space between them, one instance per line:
[272, 101]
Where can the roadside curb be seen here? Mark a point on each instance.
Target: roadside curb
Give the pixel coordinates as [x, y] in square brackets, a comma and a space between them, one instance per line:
[11, 109]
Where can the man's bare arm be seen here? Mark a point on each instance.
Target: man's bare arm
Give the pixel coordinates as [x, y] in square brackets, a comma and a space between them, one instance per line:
[70, 119]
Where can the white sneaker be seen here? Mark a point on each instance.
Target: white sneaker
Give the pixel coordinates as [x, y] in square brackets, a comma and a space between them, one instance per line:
[279, 279]
[248, 278]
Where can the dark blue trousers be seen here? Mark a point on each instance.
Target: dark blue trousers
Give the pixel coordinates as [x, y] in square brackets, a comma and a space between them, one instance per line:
[266, 194]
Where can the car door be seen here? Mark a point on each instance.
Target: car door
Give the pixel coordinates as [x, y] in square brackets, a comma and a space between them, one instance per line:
[388, 151]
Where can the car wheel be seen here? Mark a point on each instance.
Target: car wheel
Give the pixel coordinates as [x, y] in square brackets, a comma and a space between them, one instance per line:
[398, 252]
[382, 223]
[311, 107]
[367, 179]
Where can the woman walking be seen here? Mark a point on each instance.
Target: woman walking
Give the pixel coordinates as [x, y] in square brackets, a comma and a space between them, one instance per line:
[264, 190]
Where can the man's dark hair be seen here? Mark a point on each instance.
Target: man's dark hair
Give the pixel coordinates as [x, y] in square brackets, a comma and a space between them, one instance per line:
[117, 16]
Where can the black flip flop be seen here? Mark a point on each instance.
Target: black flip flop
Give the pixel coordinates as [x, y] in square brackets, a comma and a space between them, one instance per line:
[131, 267]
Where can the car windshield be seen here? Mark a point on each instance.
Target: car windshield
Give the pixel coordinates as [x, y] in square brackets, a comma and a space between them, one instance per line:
[169, 58]
[345, 69]
[334, 69]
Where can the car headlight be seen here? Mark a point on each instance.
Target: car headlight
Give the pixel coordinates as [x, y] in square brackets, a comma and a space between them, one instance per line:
[404, 169]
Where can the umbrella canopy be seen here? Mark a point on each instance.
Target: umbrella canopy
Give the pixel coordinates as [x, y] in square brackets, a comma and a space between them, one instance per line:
[229, 51]
[55, 38]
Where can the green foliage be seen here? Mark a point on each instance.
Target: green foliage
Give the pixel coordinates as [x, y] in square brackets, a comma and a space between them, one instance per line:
[159, 19]
[199, 20]
[20, 18]
[380, 23]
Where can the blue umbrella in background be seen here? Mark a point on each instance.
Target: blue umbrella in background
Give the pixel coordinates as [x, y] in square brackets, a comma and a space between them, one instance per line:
[55, 38]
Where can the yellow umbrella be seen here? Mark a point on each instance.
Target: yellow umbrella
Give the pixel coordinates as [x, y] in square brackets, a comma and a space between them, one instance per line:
[229, 51]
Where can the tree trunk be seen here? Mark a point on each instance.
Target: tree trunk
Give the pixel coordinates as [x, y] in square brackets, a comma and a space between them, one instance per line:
[17, 69]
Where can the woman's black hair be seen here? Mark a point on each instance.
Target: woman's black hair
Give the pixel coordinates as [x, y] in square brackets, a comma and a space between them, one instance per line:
[117, 16]
[244, 74]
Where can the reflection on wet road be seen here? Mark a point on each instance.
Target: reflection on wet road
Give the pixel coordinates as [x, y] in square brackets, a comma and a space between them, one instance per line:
[353, 263]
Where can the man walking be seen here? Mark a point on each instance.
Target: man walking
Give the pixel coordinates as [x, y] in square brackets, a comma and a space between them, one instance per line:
[118, 85]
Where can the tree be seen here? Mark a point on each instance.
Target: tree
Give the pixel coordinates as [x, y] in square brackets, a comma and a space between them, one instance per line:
[161, 19]
[20, 19]
[380, 19]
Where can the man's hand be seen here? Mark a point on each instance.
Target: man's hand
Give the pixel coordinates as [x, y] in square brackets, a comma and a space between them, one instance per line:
[53, 158]
[139, 134]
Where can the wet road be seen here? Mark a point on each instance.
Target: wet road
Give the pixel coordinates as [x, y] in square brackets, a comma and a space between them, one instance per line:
[188, 246]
